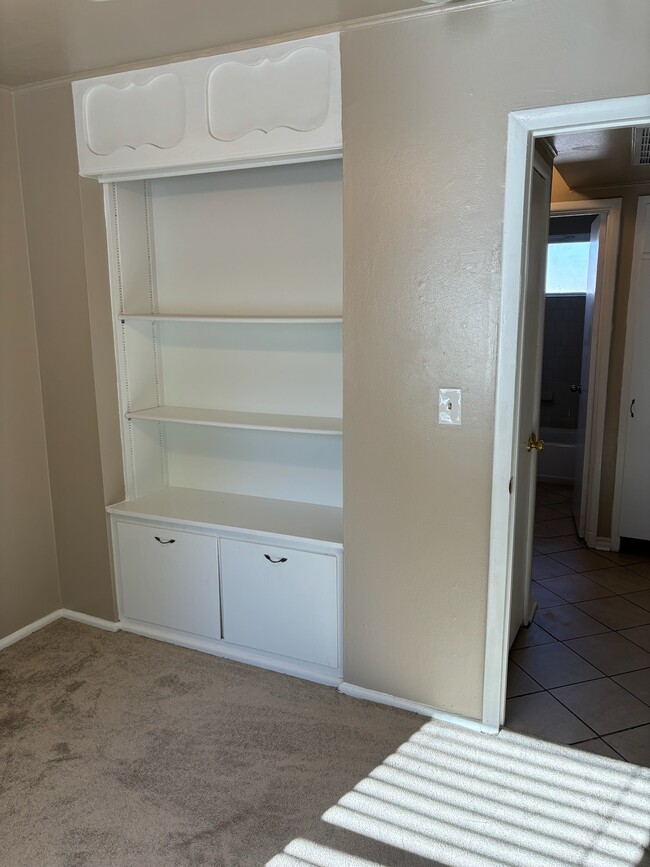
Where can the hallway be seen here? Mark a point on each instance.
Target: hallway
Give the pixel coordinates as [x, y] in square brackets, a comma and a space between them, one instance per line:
[580, 673]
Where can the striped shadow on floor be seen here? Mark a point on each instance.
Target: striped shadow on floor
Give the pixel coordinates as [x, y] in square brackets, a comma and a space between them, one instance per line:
[466, 799]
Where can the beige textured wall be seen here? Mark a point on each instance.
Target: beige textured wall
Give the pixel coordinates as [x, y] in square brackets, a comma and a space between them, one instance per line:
[425, 116]
[630, 200]
[29, 587]
[425, 106]
[65, 324]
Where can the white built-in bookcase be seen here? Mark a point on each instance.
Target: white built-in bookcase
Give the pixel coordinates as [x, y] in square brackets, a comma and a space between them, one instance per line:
[227, 300]
[223, 201]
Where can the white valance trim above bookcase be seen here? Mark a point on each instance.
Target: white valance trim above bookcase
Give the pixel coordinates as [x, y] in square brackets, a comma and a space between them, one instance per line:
[272, 104]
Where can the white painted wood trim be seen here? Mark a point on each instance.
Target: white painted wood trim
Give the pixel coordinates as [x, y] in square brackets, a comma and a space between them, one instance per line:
[610, 212]
[213, 647]
[19, 634]
[517, 196]
[414, 707]
[218, 647]
[265, 105]
[523, 126]
[115, 283]
[628, 356]
[89, 620]
[59, 614]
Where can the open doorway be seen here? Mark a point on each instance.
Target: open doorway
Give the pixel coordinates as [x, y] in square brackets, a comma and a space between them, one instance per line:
[571, 561]
[574, 674]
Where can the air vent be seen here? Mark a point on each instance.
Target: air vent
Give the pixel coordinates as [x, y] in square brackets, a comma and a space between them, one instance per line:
[641, 146]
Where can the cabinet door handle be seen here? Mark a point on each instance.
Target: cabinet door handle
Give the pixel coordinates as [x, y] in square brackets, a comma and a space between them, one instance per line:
[164, 541]
[279, 560]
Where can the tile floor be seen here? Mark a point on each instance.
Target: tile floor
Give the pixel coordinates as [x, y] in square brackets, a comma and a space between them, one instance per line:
[580, 673]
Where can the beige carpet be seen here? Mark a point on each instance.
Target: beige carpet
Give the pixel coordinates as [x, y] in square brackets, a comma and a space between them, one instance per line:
[119, 750]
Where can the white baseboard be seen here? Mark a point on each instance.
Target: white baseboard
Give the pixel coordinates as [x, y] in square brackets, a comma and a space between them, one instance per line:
[19, 634]
[60, 613]
[415, 707]
[219, 647]
[89, 620]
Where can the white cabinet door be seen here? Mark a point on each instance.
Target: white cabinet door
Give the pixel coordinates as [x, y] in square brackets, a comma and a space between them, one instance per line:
[280, 600]
[169, 578]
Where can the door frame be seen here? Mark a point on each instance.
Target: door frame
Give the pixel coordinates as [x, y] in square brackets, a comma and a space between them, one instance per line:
[626, 383]
[601, 338]
[523, 128]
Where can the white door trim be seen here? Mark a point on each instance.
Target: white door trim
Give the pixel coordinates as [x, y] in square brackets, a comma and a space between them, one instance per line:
[523, 128]
[601, 339]
[632, 312]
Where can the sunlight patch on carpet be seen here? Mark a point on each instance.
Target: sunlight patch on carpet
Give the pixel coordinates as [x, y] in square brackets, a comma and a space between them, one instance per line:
[467, 799]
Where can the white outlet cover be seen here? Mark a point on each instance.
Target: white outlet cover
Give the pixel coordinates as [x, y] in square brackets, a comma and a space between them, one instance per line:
[449, 406]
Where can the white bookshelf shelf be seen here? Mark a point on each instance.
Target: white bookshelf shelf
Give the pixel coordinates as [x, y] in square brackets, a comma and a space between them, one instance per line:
[232, 320]
[246, 420]
[215, 510]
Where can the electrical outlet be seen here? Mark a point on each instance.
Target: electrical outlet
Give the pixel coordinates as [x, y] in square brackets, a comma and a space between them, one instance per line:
[449, 406]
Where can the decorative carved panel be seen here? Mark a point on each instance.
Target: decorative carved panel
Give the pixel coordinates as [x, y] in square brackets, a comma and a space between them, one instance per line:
[274, 103]
[135, 115]
[292, 92]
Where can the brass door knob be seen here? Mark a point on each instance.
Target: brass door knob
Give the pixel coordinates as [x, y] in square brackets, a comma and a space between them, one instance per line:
[534, 443]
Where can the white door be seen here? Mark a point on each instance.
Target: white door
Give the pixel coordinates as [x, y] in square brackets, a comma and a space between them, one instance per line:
[635, 412]
[530, 385]
[583, 434]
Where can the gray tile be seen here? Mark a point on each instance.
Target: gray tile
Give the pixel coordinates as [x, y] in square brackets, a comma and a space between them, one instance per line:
[633, 745]
[598, 746]
[544, 597]
[557, 543]
[554, 665]
[611, 653]
[575, 587]
[542, 716]
[545, 567]
[603, 705]
[619, 579]
[565, 509]
[615, 612]
[623, 559]
[546, 513]
[520, 683]
[541, 531]
[548, 498]
[639, 635]
[528, 636]
[636, 682]
[642, 598]
[566, 621]
[581, 560]
[642, 569]
[558, 527]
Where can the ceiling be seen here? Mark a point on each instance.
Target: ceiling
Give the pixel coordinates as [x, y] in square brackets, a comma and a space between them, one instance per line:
[598, 158]
[44, 39]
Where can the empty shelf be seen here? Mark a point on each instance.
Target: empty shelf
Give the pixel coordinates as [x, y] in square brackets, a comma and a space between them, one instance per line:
[249, 420]
[235, 320]
[237, 512]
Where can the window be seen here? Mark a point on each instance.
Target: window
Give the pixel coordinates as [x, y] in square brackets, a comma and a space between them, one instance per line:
[567, 267]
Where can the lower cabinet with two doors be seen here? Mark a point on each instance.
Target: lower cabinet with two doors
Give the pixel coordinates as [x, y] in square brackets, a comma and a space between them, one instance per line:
[249, 597]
